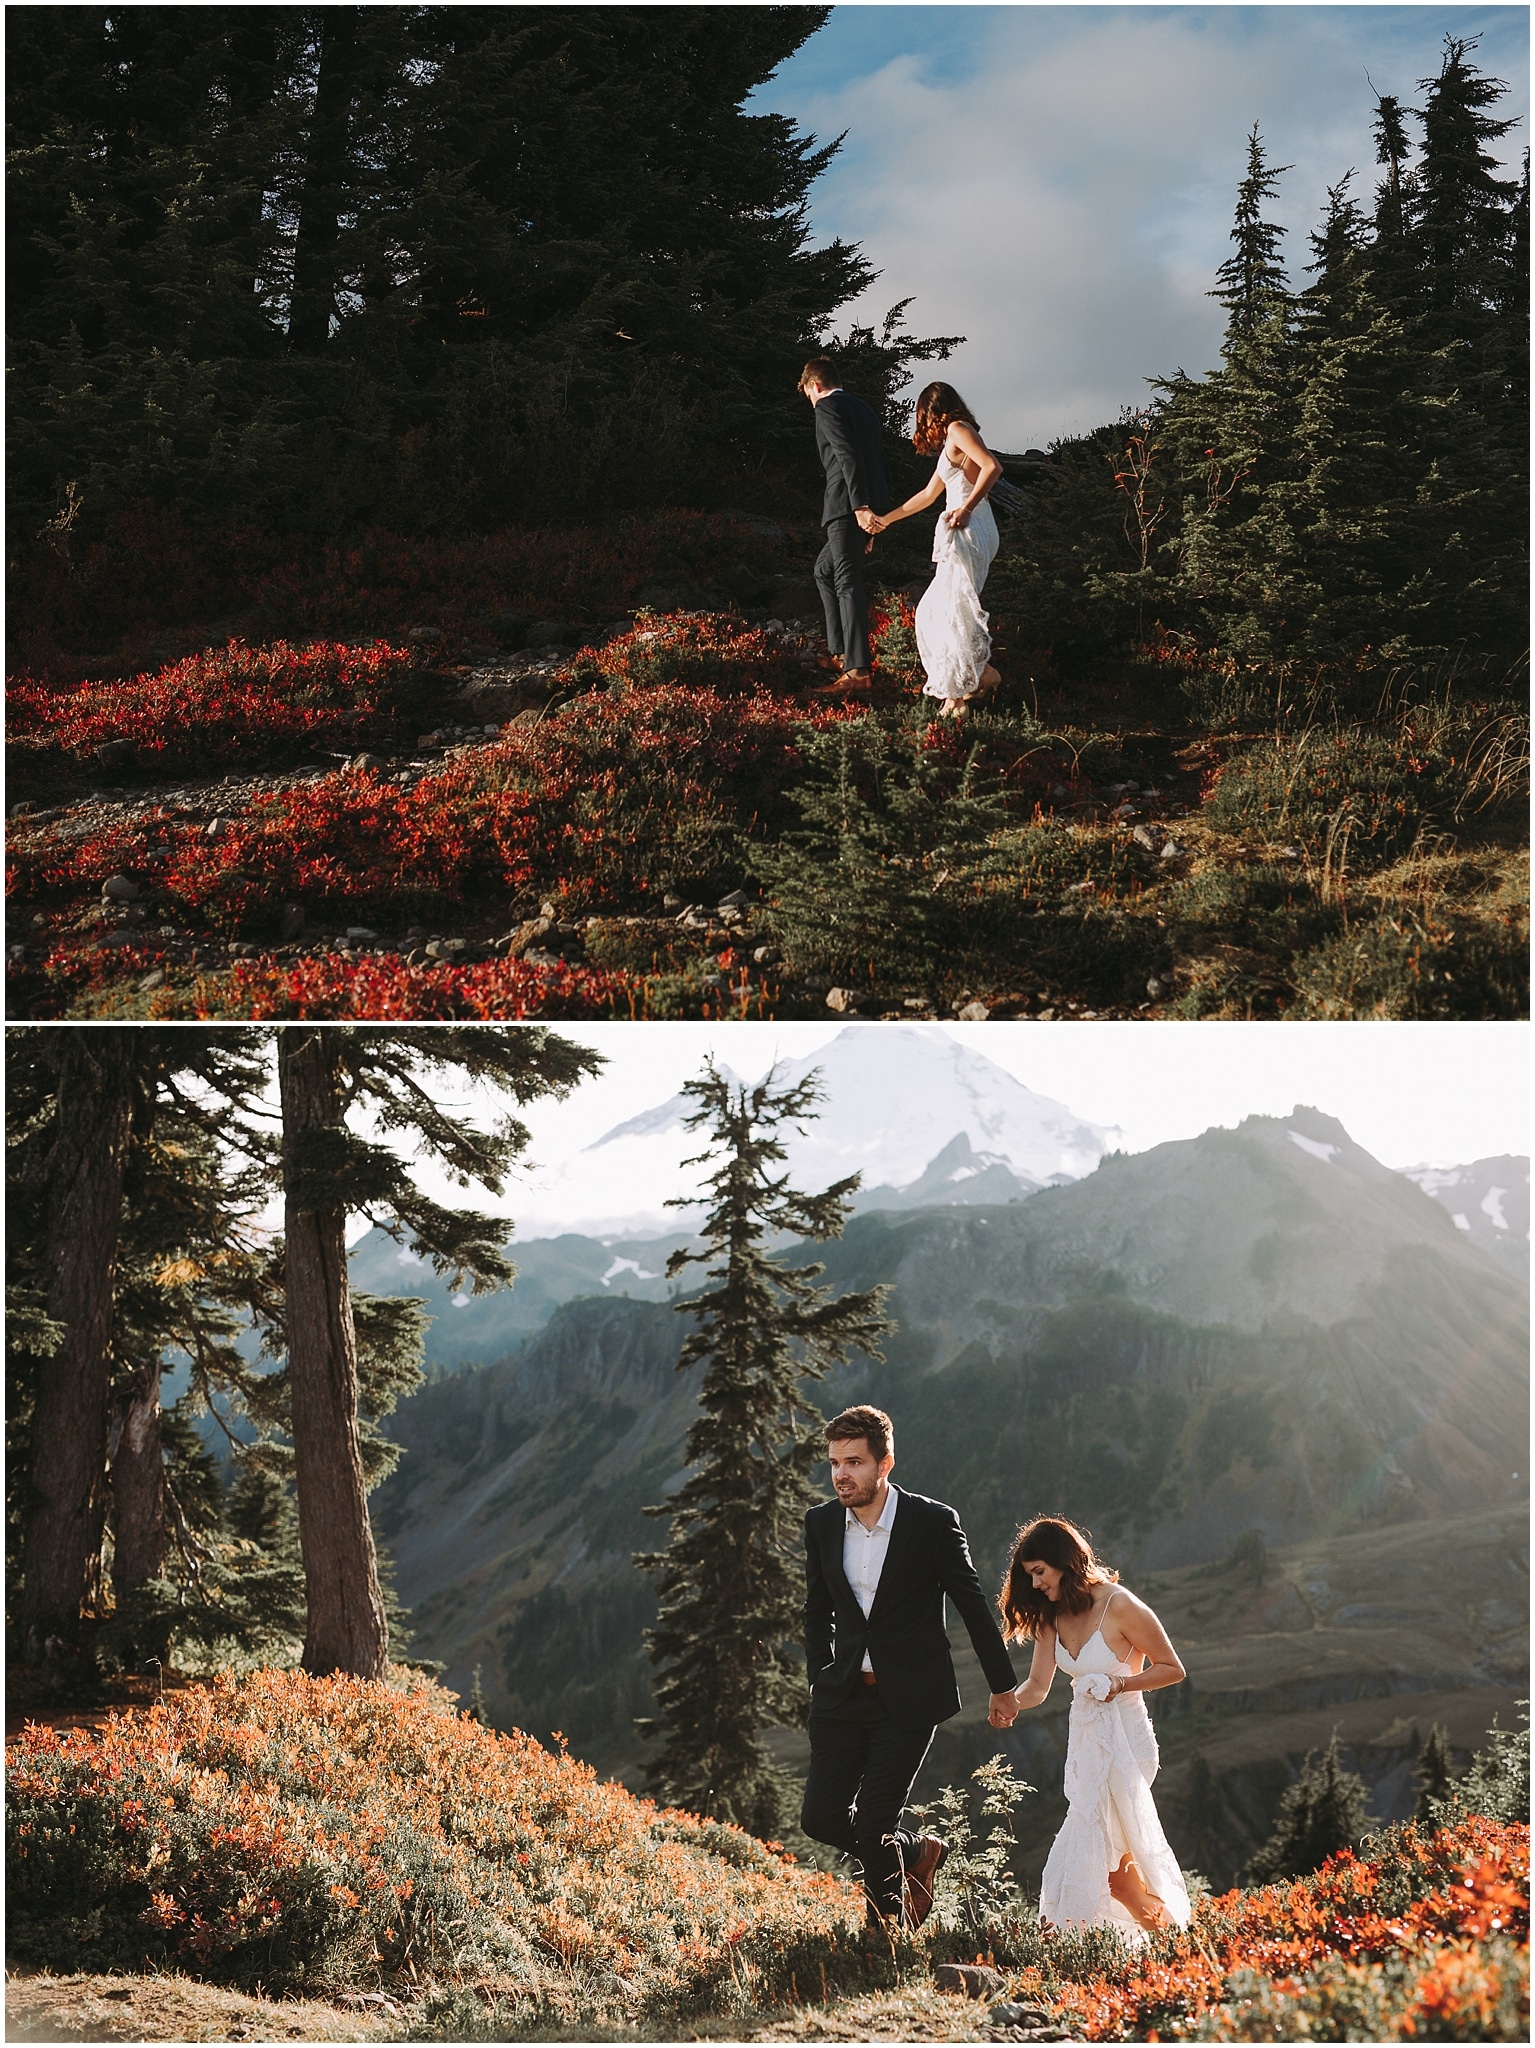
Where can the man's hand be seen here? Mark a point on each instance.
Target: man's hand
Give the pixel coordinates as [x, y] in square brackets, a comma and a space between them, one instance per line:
[1003, 1711]
[867, 519]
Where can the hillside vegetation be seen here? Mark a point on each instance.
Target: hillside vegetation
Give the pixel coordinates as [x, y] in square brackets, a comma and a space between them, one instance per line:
[337, 1838]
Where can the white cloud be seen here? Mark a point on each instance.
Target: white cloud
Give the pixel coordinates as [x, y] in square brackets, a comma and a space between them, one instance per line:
[1065, 199]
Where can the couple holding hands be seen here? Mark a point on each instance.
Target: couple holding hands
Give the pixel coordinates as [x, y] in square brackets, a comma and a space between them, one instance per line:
[879, 1564]
[952, 630]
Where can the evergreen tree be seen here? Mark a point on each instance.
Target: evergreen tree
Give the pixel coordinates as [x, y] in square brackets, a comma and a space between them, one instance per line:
[329, 1172]
[730, 1579]
[477, 1710]
[1431, 1774]
[1325, 1810]
[122, 1214]
[309, 264]
[875, 879]
[1252, 285]
[1497, 1785]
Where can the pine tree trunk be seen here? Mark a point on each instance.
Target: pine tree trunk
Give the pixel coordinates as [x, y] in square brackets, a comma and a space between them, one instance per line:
[66, 1509]
[138, 1489]
[346, 1629]
[314, 248]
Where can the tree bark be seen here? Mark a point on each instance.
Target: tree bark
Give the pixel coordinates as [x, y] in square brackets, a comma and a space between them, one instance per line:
[138, 1488]
[66, 1507]
[347, 1630]
[314, 247]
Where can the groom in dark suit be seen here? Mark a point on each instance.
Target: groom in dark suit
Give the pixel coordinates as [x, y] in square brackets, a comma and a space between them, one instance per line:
[847, 436]
[879, 1563]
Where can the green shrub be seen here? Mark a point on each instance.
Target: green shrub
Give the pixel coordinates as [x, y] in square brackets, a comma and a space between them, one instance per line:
[1361, 795]
[1398, 967]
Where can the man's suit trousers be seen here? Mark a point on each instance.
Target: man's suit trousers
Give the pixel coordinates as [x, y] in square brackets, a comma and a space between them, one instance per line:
[839, 576]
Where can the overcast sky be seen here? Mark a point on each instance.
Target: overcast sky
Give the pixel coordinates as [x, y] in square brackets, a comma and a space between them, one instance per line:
[1412, 1094]
[1057, 183]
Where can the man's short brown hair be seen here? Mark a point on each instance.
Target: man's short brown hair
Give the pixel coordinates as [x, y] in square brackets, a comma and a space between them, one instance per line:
[873, 1424]
[823, 371]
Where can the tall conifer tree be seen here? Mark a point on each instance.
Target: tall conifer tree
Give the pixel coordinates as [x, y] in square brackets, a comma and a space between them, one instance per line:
[731, 1576]
[331, 1171]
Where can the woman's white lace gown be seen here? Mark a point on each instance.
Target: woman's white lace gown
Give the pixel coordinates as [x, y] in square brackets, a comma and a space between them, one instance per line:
[1111, 1759]
[953, 636]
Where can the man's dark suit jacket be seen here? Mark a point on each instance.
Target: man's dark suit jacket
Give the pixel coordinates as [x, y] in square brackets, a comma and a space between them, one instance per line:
[926, 1557]
[847, 434]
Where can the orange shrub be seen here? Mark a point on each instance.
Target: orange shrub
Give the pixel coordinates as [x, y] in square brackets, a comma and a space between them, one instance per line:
[325, 1832]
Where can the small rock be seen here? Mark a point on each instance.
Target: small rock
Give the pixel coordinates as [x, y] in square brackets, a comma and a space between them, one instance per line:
[973, 1013]
[548, 910]
[447, 949]
[361, 762]
[119, 889]
[20, 810]
[548, 633]
[358, 932]
[736, 900]
[423, 636]
[1147, 836]
[117, 938]
[671, 902]
[840, 999]
[527, 934]
[1171, 850]
[215, 828]
[973, 1980]
[1012, 2014]
[765, 955]
[1156, 988]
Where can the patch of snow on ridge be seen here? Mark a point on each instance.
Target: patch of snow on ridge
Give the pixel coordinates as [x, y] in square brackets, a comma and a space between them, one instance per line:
[627, 1266]
[1491, 1206]
[1326, 1153]
[1461, 1222]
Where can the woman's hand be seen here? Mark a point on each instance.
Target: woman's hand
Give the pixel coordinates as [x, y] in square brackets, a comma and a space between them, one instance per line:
[960, 516]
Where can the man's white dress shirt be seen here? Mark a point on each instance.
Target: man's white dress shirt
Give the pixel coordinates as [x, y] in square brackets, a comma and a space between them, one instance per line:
[863, 1555]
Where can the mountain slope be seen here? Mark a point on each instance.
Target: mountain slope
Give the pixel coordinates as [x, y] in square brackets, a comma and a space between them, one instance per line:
[1489, 1200]
[1257, 1329]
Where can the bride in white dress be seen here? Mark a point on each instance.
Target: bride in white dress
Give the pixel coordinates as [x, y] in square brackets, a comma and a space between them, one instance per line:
[1110, 1865]
[953, 636]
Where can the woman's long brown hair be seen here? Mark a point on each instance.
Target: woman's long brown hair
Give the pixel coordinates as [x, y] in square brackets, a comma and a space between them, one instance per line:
[1051, 1540]
[938, 407]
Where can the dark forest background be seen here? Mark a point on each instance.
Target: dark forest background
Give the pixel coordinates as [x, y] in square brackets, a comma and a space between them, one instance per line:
[434, 271]
[429, 267]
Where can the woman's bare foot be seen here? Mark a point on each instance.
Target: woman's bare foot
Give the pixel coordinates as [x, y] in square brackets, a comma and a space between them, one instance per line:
[1128, 1886]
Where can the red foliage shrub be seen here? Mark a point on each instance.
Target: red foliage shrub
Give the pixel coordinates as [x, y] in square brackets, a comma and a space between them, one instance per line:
[1424, 1929]
[216, 707]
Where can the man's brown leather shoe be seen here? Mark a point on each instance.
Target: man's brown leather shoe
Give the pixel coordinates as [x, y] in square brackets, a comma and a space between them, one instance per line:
[921, 1874]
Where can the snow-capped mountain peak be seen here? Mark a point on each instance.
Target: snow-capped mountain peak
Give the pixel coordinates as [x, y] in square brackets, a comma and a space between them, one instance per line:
[894, 1099]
